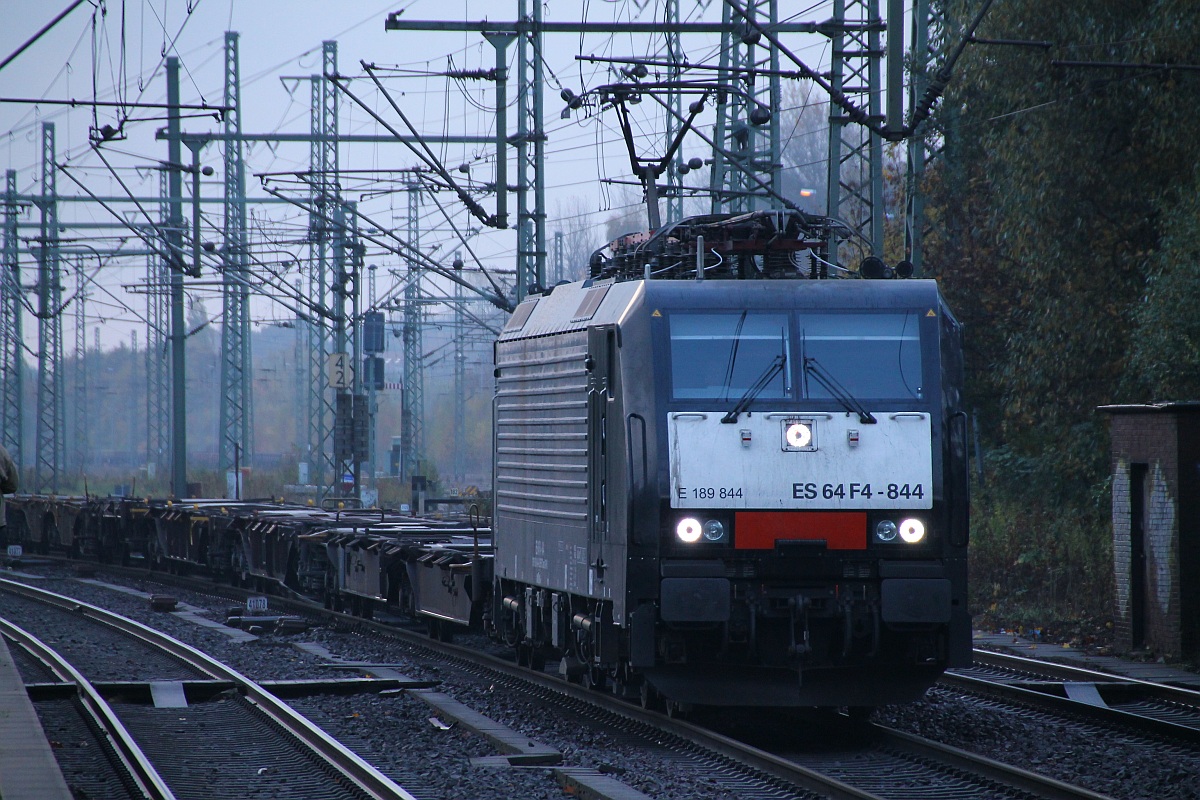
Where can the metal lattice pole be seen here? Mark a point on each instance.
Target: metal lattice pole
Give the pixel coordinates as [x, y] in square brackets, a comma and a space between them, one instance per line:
[236, 431]
[158, 404]
[460, 378]
[345, 340]
[753, 145]
[412, 419]
[855, 183]
[50, 409]
[11, 360]
[675, 113]
[558, 256]
[928, 47]
[372, 396]
[531, 155]
[323, 156]
[80, 414]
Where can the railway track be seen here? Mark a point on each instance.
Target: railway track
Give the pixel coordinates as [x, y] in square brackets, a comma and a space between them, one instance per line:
[166, 756]
[889, 764]
[932, 770]
[1153, 708]
[893, 764]
[133, 769]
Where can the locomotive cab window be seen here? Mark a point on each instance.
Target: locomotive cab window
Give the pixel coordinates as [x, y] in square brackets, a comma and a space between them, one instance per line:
[721, 355]
[874, 356]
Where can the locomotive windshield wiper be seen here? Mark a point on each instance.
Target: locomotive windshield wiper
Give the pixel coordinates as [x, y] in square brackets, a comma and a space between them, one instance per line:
[839, 392]
[733, 353]
[773, 369]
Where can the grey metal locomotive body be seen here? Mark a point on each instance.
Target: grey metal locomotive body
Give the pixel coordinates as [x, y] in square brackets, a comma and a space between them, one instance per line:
[734, 492]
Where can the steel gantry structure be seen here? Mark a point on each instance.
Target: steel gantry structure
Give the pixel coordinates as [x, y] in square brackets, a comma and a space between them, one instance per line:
[237, 396]
[745, 174]
[412, 415]
[854, 186]
[158, 321]
[929, 29]
[324, 197]
[50, 457]
[11, 343]
[746, 161]
[334, 252]
[747, 153]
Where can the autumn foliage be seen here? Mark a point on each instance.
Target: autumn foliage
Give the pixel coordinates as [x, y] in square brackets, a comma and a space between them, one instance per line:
[1064, 224]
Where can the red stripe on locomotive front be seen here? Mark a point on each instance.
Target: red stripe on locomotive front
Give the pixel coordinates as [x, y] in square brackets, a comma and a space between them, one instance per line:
[841, 530]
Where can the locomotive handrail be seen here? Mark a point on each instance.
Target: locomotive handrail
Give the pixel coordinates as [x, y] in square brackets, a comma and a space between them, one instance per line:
[907, 415]
[688, 415]
[794, 414]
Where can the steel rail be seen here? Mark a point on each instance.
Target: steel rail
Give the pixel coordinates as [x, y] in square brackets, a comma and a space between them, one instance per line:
[769, 763]
[1074, 672]
[1062, 704]
[1038, 785]
[757, 758]
[135, 763]
[346, 763]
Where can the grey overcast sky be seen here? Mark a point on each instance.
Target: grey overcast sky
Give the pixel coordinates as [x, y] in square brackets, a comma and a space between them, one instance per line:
[115, 51]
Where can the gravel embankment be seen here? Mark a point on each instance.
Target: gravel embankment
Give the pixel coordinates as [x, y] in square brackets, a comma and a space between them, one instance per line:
[394, 730]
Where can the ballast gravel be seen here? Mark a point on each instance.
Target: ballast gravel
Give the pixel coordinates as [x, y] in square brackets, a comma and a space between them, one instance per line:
[394, 732]
[1078, 753]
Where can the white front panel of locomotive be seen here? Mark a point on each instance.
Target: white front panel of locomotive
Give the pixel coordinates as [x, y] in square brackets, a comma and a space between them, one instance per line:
[801, 460]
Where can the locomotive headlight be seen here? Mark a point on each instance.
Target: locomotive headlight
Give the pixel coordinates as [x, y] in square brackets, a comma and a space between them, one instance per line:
[689, 530]
[714, 530]
[885, 530]
[912, 530]
[799, 434]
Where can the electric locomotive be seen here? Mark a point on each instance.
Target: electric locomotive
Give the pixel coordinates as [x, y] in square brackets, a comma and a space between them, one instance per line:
[727, 478]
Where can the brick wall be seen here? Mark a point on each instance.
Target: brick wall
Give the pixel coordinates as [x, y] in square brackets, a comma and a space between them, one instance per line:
[1189, 534]
[1121, 529]
[1156, 469]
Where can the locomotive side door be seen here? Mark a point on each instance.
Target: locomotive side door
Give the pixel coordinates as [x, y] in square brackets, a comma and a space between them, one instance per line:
[600, 363]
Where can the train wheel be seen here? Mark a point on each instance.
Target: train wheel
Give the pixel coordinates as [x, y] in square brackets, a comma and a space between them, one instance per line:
[595, 678]
[620, 682]
[368, 609]
[435, 629]
[238, 574]
[153, 557]
[677, 710]
[650, 699]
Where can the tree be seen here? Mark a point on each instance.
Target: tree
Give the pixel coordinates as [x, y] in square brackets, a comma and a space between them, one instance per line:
[580, 237]
[804, 124]
[1062, 177]
[1065, 238]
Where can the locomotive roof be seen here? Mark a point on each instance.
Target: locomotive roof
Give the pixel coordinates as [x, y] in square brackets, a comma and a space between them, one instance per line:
[577, 306]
